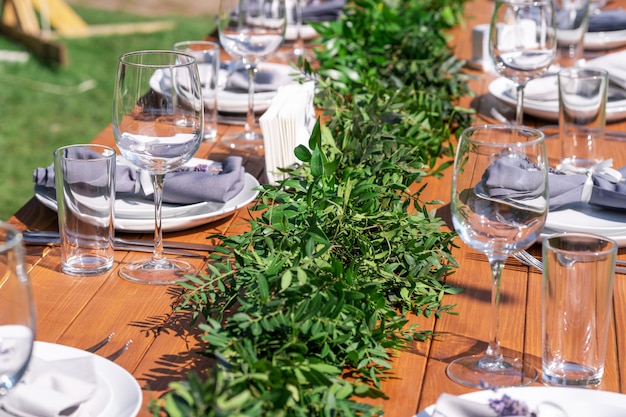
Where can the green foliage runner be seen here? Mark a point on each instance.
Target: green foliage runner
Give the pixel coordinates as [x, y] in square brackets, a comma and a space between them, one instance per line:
[302, 312]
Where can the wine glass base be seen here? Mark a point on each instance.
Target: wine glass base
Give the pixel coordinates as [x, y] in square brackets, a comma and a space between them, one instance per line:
[474, 371]
[244, 140]
[168, 271]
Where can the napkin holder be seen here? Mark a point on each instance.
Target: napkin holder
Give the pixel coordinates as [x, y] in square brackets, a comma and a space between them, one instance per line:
[287, 123]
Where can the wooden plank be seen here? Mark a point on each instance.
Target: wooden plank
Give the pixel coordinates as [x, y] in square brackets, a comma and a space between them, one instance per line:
[114, 29]
[62, 17]
[47, 50]
[20, 14]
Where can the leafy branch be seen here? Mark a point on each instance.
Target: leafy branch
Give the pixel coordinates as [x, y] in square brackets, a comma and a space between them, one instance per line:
[302, 311]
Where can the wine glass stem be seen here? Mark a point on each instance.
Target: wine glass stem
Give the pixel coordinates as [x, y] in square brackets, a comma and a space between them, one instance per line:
[157, 184]
[519, 109]
[493, 354]
[298, 46]
[250, 114]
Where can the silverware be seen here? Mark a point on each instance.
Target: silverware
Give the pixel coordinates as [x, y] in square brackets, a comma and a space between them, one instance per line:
[100, 344]
[119, 352]
[53, 237]
[528, 259]
[51, 241]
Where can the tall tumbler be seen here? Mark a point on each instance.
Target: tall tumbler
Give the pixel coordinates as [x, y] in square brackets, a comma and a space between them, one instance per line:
[85, 187]
[582, 117]
[207, 55]
[572, 18]
[577, 300]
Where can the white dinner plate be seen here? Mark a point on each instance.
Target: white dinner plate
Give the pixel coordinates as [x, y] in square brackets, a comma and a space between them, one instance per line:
[137, 214]
[235, 101]
[549, 109]
[118, 393]
[600, 41]
[589, 219]
[576, 402]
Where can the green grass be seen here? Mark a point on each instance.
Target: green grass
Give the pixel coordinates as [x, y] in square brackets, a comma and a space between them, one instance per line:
[41, 107]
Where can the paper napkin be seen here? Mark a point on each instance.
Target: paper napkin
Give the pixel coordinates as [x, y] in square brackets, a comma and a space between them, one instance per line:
[53, 388]
[287, 123]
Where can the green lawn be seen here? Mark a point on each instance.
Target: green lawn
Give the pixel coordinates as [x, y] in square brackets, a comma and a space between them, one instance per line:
[42, 106]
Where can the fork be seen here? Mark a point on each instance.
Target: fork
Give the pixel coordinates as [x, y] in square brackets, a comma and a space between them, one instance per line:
[100, 344]
[528, 259]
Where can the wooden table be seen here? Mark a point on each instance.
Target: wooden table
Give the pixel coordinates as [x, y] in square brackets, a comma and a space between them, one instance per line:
[81, 311]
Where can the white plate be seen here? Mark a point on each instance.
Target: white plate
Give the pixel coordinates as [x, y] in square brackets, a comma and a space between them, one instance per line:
[599, 41]
[118, 392]
[576, 402]
[232, 101]
[139, 212]
[549, 110]
[589, 219]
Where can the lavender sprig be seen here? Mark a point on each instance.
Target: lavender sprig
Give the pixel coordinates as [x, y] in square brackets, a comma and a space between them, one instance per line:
[506, 407]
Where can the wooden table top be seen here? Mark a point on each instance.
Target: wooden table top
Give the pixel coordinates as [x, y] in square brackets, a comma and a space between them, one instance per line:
[81, 311]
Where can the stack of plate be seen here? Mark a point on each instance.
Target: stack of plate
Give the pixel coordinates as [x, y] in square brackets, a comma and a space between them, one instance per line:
[136, 214]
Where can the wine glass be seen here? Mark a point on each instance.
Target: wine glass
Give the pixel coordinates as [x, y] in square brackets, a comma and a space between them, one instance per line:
[252, 31]
[499, 206]
[522, 42]
[294, 14]
[17, 322]
[157, 130]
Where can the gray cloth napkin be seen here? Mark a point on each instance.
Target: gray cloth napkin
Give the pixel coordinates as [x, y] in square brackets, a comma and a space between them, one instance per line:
[263, 81]
[512, 178]
[607, 20]
[322, 11]
[186, 186]
[605, 192]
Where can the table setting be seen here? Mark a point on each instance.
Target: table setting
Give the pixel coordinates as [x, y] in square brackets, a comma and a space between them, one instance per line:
[65, 381]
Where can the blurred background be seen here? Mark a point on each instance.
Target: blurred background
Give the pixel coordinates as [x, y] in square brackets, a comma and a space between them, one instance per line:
[44, 105]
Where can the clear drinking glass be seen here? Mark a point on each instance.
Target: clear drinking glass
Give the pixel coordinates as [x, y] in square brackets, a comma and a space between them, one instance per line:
[17, 322]
[522, 42]
[158, 132]
[499, 206]
[252, 31]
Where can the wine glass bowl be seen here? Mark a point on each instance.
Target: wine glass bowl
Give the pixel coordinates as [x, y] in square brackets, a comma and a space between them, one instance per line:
[499, 206]
[251, 31]
[522, 42]
[157, 130]
[17, 323]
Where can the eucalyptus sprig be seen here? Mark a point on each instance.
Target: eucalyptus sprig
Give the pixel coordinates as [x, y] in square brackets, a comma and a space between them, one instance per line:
[302, 312]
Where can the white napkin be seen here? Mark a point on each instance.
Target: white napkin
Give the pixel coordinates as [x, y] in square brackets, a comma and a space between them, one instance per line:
[287, 123]
[543, 89]
[53, 388]
[452, 406]
[614, 63]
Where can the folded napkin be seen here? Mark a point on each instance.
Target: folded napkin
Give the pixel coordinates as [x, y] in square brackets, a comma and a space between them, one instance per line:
[452, 406]
[264, 80]
[607, 21]
[513, 181]
[614, 64]
[542, 89]
[322, 10]
[600, 186]
[188, 185]
[53, 388]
